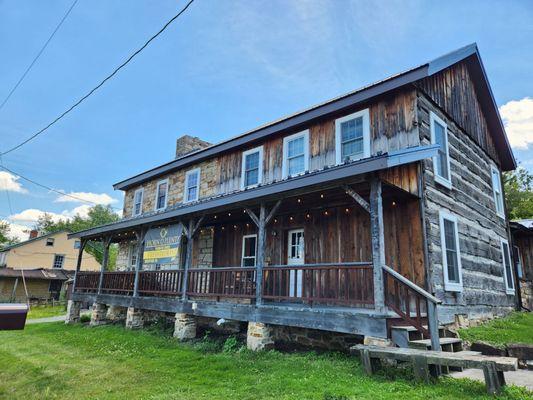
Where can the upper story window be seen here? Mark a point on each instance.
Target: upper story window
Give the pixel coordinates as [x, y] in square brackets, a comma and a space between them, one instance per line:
[296, 154]
[507, 269]
[133, 257]
[50, 242]
[497, 191]
[192, 185]
[451, 253]
[138, 202]
[352, 136]
[249, 250]
[77, 244]
[59, 260]
[161, 195]
[252, 167]
[441, 162]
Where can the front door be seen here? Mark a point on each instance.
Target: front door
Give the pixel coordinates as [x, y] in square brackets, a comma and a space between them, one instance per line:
[295, 256]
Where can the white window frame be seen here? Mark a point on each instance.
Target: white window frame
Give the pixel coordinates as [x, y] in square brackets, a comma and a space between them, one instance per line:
[50, 242]
[286, 140]
[62, 262]
[501, 212]
[366, 134]
[260, 167]
[243, 247]
[132, 251]
[141, 190]
[186, 191]
[450, 286]
[439, 179]
[508, 290]
[161, 182]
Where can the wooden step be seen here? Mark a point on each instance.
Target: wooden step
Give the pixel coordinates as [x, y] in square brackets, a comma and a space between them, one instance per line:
[468, 353]
[446, 344]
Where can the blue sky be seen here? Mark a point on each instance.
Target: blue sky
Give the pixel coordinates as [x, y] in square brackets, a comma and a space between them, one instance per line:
[225, 67]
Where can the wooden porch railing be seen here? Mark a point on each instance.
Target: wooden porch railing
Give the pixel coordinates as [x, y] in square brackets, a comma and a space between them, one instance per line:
[412, 304]
[236, 282]
[87, 282]
[118, 282]
[333, 284]
[160, 283]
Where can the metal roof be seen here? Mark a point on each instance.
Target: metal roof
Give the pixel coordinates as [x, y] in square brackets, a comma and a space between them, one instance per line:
[351, 99]
[328, 177]
[41, 273]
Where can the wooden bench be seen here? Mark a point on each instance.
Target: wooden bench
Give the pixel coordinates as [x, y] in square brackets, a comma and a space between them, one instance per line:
[493, 367]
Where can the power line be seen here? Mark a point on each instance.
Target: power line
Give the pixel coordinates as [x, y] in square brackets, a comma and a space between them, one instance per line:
[101, 83]
[49, 188]
[38, 55]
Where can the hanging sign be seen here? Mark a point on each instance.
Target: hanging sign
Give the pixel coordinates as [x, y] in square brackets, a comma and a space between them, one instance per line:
[161, 245]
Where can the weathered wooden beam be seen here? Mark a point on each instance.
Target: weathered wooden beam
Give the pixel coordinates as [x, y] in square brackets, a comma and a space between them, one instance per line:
[141, 235]
[83, 242]
[261, 244]
[378, 241]
[105, 258]
[252, 216]
[357, 197]
[433, 325]
[188, 258]
[196, 226]
[273, 212]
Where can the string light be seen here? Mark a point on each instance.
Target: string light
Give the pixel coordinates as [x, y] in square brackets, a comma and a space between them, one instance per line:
[223, 228]
[326, 213]
[299, 200]
[321, 195]
[235, 226]
[394, 204]
[308, 216]
[291, 218]
[275, 220]
[215, 217]
[347, 210]
[229, 214]
[247, 225]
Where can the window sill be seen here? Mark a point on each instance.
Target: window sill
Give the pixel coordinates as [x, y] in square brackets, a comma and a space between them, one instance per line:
[443, 182]
[453, 287]
[510, 291]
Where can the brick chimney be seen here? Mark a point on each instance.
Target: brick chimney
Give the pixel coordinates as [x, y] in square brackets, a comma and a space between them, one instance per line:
[34, 233]
[187, 144]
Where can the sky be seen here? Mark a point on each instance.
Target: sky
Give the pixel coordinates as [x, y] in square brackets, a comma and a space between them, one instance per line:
[221, 69]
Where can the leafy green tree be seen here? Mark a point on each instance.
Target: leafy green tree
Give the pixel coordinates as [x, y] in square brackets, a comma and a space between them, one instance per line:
[5, 238]
[519, 193]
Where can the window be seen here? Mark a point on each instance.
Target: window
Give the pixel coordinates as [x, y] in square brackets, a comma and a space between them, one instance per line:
[352, 136]
[59, 260]
[50, 242]
[77, 244]
[249, 250]
[441, 162]
[192, 185]
[252, 167]
[518, 260]
[161, 195]
[295, 154]
[497, 190]
[138, 202]
[451, 254]
[132, 264]
[507, 269]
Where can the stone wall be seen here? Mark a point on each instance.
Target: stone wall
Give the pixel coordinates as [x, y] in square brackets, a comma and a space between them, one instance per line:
[203, 248]
[123, 256]
[290, 338]
[526, 290]
[480, 229]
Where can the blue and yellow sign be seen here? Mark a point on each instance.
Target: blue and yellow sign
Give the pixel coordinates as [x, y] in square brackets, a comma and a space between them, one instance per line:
[162, 244]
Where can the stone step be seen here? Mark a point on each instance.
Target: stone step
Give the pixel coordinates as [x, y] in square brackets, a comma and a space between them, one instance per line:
[468, 353]
[447, 344]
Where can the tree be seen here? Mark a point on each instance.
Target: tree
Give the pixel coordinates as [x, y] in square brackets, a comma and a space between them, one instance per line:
[5, 239]
[519, 193]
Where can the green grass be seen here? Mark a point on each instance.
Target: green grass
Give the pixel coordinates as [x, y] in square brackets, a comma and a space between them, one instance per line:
[516, 328]
[55, 361]
[46, 311]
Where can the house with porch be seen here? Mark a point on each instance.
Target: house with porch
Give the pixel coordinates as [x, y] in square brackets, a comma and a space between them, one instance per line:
[378, 209]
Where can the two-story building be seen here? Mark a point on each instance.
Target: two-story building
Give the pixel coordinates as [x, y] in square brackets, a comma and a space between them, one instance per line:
[382, 206]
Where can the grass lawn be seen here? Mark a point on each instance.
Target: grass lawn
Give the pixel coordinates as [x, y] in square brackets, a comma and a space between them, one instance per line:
[516, 328]
[55, 361]
[46, 311]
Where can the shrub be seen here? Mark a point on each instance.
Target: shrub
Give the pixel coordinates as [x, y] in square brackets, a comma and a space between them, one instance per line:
[231, 345]
[85, 318]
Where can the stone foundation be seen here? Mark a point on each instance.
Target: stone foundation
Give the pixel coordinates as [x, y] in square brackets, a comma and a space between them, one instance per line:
[526, 291]
[184, 327]
[259, 336]
[134, 318]
[73, 312]
[225, 326]
[98, 315]
[287, 337]
[116, 313]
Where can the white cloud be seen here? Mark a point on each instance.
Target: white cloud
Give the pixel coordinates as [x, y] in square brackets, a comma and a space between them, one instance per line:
[517, 117]
[18, 231]
[11, 182]
[88, 197]
[32, 215]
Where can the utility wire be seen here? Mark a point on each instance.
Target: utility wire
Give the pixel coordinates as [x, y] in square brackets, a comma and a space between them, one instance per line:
[49, 188]
[101, 83]
[38, 55]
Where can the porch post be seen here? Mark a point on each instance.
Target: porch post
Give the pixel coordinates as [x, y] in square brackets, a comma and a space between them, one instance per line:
[188, 259]
[140, 250]
[83, 242]
[106, 242]
[378, 241]
[260, 255]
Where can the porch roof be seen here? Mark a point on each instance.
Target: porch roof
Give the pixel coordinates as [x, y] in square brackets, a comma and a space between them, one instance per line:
[322, 179]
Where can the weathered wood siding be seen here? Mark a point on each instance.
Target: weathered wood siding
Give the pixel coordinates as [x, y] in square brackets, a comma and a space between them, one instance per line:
[480, 228]
[393, 126]
[525, 246]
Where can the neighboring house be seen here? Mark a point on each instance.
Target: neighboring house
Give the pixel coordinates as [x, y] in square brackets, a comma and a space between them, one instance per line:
[43, 263]
[347, 217]
[522, 233]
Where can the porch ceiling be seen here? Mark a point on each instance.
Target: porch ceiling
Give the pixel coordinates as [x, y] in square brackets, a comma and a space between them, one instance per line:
[310, 182]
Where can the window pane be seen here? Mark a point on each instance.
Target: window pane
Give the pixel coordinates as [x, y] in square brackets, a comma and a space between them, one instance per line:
[352, 129]
[451, 251]
[352, 148]
[251, 177]
[252, 161]
[192, 179]
[191, 193]
[507, 265]
[296, 165]
[442, 159]
[296, 147]
[249, 247]
[248, 262]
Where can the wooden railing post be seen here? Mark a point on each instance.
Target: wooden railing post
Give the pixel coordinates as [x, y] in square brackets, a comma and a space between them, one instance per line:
[190, 231]
[433, 325]
[378, 241]
[83, 242]
[140, 234]
[106, 242]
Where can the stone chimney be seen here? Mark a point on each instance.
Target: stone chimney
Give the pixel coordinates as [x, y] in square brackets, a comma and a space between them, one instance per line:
[34, 233]
[187, 144]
